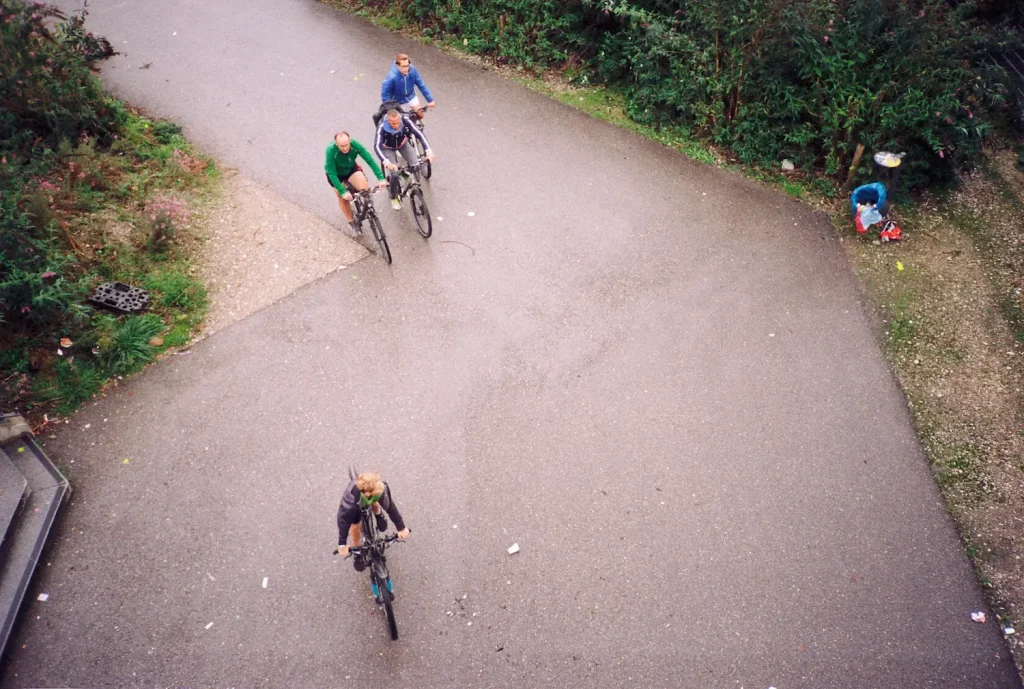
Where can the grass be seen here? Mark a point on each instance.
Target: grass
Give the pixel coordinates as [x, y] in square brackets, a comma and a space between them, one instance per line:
[124, 345]
[100, 205]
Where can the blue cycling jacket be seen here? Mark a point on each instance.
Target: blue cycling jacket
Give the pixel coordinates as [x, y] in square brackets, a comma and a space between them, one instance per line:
[402, 87]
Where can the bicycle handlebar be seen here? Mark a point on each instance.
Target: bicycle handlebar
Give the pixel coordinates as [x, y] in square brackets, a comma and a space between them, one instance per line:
[360, 549]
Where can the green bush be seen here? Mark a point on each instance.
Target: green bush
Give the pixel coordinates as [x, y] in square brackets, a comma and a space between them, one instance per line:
[807, 80]
[68, 151]
[50, 99]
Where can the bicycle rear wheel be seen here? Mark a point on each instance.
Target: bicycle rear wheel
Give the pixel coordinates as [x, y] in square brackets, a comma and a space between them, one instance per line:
[421, 213]
[382, 241]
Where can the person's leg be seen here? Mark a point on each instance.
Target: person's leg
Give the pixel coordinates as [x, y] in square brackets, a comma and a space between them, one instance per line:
[355, 533]
[410, 154]
[343, 205]
[355, 182]
[394, 185]
[378, 515]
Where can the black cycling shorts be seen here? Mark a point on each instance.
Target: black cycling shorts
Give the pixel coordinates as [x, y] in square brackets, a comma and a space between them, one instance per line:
[344, 181]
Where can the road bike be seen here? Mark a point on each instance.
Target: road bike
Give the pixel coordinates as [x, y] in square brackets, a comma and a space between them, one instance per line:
[363, 209]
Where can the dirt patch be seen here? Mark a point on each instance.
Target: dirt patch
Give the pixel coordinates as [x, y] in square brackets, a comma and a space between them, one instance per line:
[950, 298]
[260, 248]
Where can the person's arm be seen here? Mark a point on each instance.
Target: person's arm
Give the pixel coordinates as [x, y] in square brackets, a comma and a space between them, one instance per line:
[415, 131]
[365, 155]
[332, 170]
[418, 80]
[378, 140]
[392, 509]
[386, 88]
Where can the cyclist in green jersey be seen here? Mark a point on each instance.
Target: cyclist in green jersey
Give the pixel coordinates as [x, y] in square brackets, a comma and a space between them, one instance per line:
[344, 174]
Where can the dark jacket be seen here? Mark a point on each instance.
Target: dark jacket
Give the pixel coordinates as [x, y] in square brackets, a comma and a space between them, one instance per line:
[394, 139]
[349, 512]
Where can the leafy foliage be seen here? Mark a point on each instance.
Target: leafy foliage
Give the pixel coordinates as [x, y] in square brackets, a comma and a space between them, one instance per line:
[89, 192]
[807, 80]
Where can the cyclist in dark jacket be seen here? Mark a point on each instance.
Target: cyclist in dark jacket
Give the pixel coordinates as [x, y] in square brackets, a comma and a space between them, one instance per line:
[366, 491]
[392, 138]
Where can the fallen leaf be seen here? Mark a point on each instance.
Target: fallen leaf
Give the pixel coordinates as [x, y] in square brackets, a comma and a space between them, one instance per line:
[156, 341]
[899, 265]
[65, 342]
[124, 461]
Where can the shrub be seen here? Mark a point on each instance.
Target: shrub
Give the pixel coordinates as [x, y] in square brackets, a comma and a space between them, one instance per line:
[807, 80]
[165, 216]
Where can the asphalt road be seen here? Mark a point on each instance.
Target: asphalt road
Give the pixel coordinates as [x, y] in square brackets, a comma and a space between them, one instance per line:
[656, 377]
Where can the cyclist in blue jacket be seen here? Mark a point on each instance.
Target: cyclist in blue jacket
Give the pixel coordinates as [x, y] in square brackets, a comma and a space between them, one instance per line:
[400, 85]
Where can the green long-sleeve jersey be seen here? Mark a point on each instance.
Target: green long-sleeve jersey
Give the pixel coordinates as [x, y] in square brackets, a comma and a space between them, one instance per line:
[340, 166]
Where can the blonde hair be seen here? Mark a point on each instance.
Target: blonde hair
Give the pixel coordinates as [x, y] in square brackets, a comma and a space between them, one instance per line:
[369, 481]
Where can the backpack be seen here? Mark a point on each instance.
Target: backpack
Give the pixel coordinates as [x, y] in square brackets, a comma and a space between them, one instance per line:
[383, 110]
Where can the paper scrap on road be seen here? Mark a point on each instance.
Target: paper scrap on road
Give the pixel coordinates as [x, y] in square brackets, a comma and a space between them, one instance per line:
[513, 549]
[471, 214]
[265, 580]
[43, 597]
[209, 625]
[978, 617]
[1009, 631]
[174, 34]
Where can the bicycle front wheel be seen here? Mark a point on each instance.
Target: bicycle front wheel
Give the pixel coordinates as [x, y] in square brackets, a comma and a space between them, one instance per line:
[427, 170]
[421, 213]
[387, 602]
[382, 241]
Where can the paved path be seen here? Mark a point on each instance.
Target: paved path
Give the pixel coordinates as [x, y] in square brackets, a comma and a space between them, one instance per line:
[656, 377]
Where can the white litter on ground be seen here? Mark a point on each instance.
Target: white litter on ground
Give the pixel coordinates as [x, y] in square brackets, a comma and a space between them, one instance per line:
[513, 549]
[471, 214]
[43, 597]
[978, 617]
[209, 625]
[265, 580]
